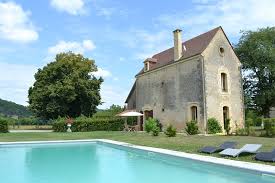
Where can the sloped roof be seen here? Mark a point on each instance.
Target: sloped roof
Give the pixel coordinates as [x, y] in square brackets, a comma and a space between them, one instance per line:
[131, 92]
[190, 48]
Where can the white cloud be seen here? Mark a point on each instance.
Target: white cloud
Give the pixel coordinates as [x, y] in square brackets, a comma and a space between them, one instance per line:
[76, 47]
[233, 17]
[73, 7]
[15, 24]
[15, 80]
[102, 73]
[88, 45]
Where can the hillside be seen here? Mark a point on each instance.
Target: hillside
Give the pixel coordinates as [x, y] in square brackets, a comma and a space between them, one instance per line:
[8, 108]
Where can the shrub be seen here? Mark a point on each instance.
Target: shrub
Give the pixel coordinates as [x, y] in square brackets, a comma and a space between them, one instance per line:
[59, 127]
[269, 127]
[155, 131]
[258, 121]
[227, 126]
[192, 128]
[248, 123]
[159, 125]
[4, 127]
[213, 126]
[246, 132]
[241, 132]
[150, 124]
[170, 131]
[84, 124]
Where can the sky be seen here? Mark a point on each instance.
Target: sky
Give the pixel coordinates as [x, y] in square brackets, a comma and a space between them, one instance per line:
[118, 35]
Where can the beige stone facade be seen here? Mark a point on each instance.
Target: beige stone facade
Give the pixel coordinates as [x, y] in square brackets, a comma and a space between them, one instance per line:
[205, 82]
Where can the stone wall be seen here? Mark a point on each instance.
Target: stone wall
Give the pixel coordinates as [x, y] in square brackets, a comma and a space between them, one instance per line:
[216, 63]
[171, 91]
[131, 105]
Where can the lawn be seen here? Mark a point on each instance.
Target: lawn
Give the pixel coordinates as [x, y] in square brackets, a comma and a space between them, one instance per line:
[189, 144]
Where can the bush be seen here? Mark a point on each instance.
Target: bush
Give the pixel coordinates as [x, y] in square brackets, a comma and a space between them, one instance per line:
[4, 127]
[192, 128]
[213, 126]
[248, 123]
[159, 125]
[269, 127]
[246, 132]
[227, 126]
[241, 132]
[155, 131]
[84, 124]
[59, 127]
[258, 121]
[150, 124]
[170, 131]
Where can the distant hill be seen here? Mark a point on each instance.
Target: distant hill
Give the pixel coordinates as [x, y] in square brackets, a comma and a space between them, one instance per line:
[8, 108]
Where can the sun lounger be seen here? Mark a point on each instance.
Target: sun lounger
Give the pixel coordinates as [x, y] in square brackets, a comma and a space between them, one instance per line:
[212, 149]
[266, 156]
[248, 148]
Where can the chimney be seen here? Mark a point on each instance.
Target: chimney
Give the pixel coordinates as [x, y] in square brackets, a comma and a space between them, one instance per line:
[177, 44]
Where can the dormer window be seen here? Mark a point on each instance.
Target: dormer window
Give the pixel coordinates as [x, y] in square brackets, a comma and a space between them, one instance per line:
[146, 66]
[148, 63]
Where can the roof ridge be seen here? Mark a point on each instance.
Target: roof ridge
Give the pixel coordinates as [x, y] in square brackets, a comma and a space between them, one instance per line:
[190, 39]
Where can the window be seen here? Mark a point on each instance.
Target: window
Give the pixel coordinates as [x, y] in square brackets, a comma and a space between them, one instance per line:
[221, 51]
[224, 84]
[146, 66]
[194, 113]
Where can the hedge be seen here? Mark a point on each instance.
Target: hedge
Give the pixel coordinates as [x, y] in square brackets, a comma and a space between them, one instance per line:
[83, 124]
[4, 127]
[269, 127]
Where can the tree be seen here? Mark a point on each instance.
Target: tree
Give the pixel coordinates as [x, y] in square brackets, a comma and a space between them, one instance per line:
[65, 87]
[256, 50]
[112, 111]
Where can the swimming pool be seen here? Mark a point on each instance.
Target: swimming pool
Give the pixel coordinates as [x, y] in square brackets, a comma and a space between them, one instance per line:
[98, 162]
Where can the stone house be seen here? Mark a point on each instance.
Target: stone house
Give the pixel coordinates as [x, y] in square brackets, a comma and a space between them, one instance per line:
[194, 80]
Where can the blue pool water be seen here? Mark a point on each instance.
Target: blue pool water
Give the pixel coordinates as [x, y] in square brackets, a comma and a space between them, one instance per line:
[101, 163]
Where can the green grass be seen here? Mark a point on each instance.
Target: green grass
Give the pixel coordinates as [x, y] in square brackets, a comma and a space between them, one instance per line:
[189, 144]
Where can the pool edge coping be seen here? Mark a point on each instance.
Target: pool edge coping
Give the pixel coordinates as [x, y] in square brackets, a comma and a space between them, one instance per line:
[260, 168]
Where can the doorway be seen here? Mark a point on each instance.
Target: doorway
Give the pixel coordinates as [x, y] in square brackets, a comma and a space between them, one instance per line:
[225, 115]
[148, 114]
[141, 122]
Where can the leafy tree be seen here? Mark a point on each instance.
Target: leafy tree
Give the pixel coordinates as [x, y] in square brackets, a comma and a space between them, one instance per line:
[256, 50]
[65, 87]
[110, 112]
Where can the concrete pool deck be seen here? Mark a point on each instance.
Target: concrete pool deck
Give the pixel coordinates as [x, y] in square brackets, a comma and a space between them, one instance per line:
[265, 170]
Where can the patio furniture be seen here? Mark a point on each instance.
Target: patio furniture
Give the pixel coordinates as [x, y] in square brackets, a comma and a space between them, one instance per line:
[266, 156]
[212, 149]
[248, 148]
[129, 113]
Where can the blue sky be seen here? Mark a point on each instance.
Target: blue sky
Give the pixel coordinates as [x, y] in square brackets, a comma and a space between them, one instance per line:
[118, 35]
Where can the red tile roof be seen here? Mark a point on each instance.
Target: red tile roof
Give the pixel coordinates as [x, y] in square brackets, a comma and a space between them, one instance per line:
[193, 47]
